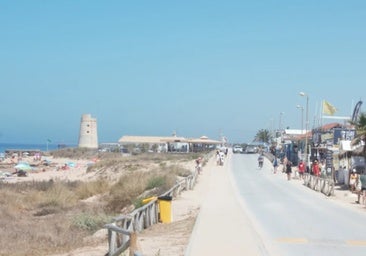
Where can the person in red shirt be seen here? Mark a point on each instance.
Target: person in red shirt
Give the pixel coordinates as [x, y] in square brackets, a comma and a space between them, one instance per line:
[301, 168]
[316, 170]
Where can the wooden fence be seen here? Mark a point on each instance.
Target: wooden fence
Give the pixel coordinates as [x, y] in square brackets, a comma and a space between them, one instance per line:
[122, 231]
[323, 185]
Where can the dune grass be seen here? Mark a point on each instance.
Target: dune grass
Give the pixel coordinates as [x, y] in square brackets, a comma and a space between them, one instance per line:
[48, 217]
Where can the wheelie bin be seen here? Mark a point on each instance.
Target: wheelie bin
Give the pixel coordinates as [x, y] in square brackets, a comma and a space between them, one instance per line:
[165, 209]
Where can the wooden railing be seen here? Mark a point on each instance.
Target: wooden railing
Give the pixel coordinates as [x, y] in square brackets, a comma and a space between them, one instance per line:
[323, 185]
[122, 231]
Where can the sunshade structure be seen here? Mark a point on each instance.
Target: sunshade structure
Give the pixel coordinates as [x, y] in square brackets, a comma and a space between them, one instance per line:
[149, 139]
[23, 167]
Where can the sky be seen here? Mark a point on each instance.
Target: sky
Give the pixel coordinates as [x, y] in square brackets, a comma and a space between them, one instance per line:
[151, 68]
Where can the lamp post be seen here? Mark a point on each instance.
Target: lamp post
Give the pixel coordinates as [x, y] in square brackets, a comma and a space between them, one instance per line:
[280, 121]
[280, 125]
[273, 135]
[306, 125]
[302, 117]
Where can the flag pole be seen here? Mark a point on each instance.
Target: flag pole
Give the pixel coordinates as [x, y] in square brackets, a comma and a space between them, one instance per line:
[321, 113]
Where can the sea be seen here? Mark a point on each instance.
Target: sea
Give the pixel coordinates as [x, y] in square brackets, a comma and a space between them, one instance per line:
[42, 147]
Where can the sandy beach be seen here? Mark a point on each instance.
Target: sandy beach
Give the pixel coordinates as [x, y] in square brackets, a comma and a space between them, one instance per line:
[46, 169]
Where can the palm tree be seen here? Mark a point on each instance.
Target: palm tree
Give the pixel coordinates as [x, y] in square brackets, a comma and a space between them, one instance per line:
[360, 126]
[263, 135]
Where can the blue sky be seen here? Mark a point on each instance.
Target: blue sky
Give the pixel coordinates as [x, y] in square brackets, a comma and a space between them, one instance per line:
[194, 67]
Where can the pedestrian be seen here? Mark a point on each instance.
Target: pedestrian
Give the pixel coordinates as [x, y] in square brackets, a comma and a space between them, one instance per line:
[199, 165]
[322, 172]
[222, 157]
[362, 188]
[284, 163]
[353, 178]
[275, 165]
[260, 160]
[218, 157]
[301, 168]
[315, 168]
[288, 169]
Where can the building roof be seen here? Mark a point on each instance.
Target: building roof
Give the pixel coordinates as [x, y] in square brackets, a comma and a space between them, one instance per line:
[327, 127]
[157, 139]
[150, 139]
[204, 140]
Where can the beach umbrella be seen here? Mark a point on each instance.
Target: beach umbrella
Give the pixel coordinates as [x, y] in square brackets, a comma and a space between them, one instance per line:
[23, 167]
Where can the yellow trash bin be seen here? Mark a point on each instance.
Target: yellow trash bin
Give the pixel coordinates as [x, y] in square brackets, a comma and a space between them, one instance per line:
[165, 209]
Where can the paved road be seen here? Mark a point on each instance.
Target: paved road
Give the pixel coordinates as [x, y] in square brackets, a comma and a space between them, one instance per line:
[222, 227]
[254, 212]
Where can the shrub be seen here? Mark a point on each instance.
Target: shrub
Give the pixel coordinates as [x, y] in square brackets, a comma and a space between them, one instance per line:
[155, 182]
[58, 196]
[180, 171]
[88, 189]
[90, 222]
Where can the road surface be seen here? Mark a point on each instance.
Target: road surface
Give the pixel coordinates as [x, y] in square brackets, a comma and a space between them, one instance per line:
[292, 219]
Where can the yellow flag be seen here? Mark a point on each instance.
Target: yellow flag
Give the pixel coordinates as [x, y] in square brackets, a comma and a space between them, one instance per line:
[328, 108]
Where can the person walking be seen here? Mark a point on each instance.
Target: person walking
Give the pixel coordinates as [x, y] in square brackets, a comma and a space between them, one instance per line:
[218, 157]
[222, 157]
[301, 168]
[315, 168]
[361, 188]
[284, 163]
[353, 179]
[275, 165]
[199, 165]
[260, 161]
[288, 169]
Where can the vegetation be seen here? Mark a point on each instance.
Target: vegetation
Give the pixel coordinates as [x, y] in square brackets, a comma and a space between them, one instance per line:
[263, 135]
[56, 216]
[360, 126]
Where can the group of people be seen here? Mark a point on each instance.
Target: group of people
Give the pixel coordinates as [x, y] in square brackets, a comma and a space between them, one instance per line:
[357, 182]
[287, 167]
[220, 156]
[315, 168]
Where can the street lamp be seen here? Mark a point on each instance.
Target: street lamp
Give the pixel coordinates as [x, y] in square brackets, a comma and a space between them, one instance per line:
[280, 125]
[302, 117]
[306, 124]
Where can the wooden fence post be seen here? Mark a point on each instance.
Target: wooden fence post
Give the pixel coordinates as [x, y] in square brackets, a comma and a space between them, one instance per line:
[133, 244]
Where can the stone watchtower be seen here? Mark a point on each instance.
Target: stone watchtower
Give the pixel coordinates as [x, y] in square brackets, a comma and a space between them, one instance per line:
[88, 136]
